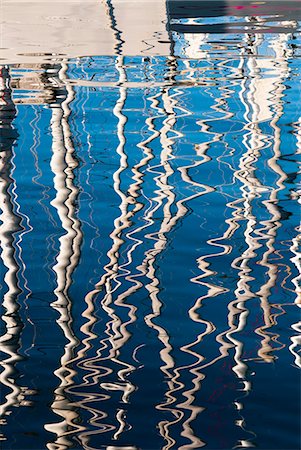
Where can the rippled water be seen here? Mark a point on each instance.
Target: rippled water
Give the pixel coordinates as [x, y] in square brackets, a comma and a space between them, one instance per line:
[150, 255]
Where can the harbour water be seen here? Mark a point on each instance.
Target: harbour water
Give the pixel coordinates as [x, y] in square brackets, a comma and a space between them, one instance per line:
[150, 234]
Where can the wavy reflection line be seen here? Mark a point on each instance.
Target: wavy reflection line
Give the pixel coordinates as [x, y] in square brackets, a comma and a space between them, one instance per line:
[295, 247]
[63, 165]
[269, 233]
[120, 333]
[194, 368]
[10, 343]
[89, 313]
[203, 263]
[36, 132]
[130, 209]
[11, 231]
[257, 94]
[133, 190]
[237, 310]
[170, 103]
[148, 265]
[116, 330]
[94, 371]
[10, 225]
[212, 290]
[254, 141]
[209, 327]
[295, 346]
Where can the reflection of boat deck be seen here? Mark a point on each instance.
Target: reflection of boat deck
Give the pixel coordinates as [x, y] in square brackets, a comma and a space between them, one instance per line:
[8, 134]
[34, 31]
[286, 14]
[35, 88]
[215, 8]
[36, 28]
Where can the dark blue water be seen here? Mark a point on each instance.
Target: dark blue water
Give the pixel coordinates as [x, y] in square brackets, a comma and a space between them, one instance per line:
[150, 258]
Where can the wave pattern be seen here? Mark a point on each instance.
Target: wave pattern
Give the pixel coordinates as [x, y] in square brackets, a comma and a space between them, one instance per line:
[150, 247]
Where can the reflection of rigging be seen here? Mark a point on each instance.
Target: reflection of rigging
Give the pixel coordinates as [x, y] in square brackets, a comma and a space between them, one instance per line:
[63, 164]
[10, 225]
[254, 141]
[171, 103]
[296, 259]
[116, 329]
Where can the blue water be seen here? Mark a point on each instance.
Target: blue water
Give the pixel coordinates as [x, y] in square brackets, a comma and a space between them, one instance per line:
[149, 248]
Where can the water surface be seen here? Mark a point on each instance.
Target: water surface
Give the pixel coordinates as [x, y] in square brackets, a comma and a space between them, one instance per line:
[150, 246]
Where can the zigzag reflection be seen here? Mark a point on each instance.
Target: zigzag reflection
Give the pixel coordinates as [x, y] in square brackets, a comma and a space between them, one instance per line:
[254, 141]
[115, 328]
[251, 187]
[295, 346]
[269, 232]
[63, 165]
[165, 191]
[10, 225]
